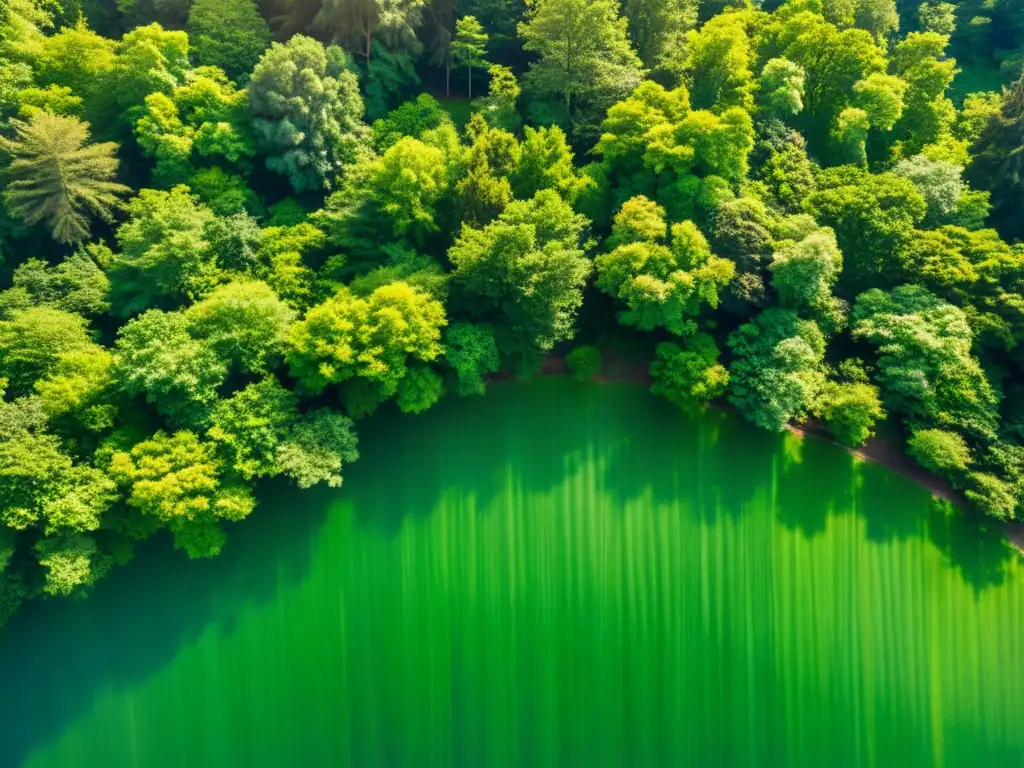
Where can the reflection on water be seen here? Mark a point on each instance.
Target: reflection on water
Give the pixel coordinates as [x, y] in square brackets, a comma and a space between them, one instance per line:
[552, 575]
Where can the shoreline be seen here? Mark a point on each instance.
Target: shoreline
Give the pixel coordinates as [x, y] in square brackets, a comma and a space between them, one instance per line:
[876, 450]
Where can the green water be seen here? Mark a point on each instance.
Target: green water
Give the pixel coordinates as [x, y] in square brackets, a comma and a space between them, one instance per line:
[552, 575]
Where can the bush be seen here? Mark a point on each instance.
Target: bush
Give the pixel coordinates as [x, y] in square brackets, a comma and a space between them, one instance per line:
[939, 451]
[584, 363]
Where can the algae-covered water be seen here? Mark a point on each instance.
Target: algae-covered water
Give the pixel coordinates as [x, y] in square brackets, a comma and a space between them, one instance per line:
[551, 575]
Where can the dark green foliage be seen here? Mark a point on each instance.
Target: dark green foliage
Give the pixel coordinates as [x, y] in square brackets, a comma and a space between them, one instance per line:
[307, 113]
[471, 351]
[229, 34]
[584, 362]
[998, 163]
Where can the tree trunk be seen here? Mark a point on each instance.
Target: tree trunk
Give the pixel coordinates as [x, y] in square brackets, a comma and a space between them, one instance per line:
[369, 39]
[448, 78]
[469, 69]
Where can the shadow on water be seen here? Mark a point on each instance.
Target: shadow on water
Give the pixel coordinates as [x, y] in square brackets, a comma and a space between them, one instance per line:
[56, 655]
[730, 466]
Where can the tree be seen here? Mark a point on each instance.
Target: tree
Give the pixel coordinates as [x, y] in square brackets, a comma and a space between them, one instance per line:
[32, 341]
[925, 366]
[413, 118]
[373, 338]
[879, 17]
[82, 61]
[79, 393]
[921, 62]
[56, 177]
[178, 374]
[317, 448]
[499, 106]
[75, 285]
[718, 64]
[229, 34]
[780, 88]
[355, 23]
[940, 451]
[850, 411]
[873, 216]
[245, 323]
[998, 163]
[657, 26]
[778, 371]
[805, 274]
[545, 162]
[207, 117]
[832, 61]
[583, 52]
[469, 47]
[689, 376]
[472, 352]
[937, 17]
[407, 181]
[163, 258]
[307, 113]
[660, 285]
[250, 427]
[177, 480]
[150, 59]
[71, 563]
[881, 98]
[584, 362]
[938, 182]
[419, 389]
[524, 273]
[992, 495]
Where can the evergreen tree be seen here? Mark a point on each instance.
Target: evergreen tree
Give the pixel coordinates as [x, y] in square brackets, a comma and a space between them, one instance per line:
[57, 177]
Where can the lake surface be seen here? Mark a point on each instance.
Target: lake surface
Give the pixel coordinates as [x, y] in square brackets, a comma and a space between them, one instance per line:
[551, 575]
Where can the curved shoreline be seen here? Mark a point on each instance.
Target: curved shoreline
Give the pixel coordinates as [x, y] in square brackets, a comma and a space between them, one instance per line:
[876, 450]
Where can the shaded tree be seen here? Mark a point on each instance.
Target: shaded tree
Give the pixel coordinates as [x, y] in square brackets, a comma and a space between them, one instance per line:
[57, 177]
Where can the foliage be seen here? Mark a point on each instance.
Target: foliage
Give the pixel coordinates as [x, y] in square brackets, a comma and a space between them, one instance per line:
[471, 351]
[661, 285]
[850, 411]
[245, 323]
[32, 341]
[584, 362]
[164, 255]
[317, 448]
[939, 451]
[76, 285]
[925, 366]
[469, 47]
[307, 113]
[229, 34]
[689, 376]
[158, 358]
[56, 177]
[584, 59]
[206, 117]
[178, 481]
[524, 273]
[778, 371]
[372, 338]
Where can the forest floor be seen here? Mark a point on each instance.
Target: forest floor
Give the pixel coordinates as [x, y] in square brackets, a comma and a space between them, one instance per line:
[881, 449]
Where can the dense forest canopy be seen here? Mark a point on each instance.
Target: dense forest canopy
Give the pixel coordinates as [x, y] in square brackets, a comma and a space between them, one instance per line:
[230, 230]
